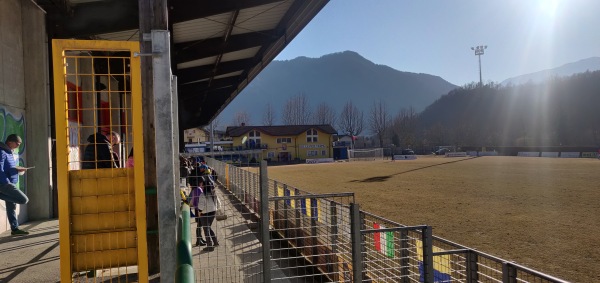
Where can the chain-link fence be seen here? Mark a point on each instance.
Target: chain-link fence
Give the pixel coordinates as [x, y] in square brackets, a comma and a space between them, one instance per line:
[277, 232]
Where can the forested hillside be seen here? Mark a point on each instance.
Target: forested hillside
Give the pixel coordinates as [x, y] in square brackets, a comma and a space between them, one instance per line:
[561, 112]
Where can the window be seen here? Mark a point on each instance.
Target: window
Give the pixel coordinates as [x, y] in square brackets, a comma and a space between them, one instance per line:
[323, 152]
[254, 140]
[284, 140]
[311, 153]
[311, 135]
[270, 154]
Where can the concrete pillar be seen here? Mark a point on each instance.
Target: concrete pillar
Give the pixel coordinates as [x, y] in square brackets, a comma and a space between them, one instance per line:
[167, 150]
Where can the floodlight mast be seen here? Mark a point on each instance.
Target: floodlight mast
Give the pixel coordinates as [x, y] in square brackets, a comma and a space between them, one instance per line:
[479, 50]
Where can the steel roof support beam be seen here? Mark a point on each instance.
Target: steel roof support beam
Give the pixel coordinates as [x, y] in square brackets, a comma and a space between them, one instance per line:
[202, 72]
[190, 51]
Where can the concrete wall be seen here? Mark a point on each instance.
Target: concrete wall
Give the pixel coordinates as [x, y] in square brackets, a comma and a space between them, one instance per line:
[24, 100]
[37, 111]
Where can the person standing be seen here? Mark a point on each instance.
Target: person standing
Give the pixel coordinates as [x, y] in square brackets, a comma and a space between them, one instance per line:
[194, 200]
[208, 204]
[9, 176]
[98, 153]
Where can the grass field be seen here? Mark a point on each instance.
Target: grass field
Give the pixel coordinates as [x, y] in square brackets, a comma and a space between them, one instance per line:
[543, 213]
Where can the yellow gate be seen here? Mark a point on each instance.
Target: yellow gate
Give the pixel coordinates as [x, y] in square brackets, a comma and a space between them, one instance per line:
[98, 106]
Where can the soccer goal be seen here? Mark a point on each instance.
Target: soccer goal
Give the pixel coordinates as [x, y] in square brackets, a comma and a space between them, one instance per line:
[365, 154]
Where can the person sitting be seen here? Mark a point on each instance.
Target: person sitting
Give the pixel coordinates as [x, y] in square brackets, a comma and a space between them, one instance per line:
[98, 153]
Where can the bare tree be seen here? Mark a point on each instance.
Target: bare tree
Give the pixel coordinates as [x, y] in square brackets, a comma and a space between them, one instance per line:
[351, 120]
[325, 115]
[212, 127]
[296, 111]
[404, 126]
[269, 115]
[241, 118]
[215, 123]
[379, 119]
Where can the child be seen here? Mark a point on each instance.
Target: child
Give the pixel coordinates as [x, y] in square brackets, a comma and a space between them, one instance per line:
[130, 159]
[193, 201]
[208, 203]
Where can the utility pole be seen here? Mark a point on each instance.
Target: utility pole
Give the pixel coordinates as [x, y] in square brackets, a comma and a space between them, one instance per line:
[479, 50]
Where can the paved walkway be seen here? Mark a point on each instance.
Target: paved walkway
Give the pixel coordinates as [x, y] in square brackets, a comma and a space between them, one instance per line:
[32, 258]
[35, 258]
[238, 258]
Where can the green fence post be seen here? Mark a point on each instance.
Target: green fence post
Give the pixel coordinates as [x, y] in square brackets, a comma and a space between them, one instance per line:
[185, 267]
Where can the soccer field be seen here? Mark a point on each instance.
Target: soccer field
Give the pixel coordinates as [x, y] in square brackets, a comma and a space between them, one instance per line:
[543, 213]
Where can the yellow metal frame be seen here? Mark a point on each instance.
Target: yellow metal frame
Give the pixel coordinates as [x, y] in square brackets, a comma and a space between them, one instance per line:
[60, 90]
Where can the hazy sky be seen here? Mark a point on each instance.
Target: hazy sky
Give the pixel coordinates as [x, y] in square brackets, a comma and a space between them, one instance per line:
[436, 36]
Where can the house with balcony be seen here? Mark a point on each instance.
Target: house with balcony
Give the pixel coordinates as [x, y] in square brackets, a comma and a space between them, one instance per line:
[285, 143]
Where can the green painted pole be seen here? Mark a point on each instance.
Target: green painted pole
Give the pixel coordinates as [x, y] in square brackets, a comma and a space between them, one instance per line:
[185, 267]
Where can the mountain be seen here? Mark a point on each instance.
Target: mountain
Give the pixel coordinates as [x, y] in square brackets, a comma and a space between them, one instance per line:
[335, 79]
[560, 112]
[581, 66]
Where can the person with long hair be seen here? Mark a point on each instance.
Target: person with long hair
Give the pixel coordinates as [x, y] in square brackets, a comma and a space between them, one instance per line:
[194, 200]
[208, 204]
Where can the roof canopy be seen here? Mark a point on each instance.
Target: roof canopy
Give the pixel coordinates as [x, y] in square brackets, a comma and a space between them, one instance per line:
[218, 46]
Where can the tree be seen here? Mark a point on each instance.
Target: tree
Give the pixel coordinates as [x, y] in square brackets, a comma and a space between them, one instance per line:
[404, 125]
[351, 121]
[379, 119]
[241, 118]
[324, 115]
[212, 127]
[269, 115]
[296, 111]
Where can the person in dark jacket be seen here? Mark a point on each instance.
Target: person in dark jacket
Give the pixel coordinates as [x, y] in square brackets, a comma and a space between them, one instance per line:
[98, 153]
[9, 176]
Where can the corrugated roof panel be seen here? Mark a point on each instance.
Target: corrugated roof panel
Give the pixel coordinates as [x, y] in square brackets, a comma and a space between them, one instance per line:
[196, 63]
[261, 18]
[232, 74]
[128, 35]
[240, 54]
[198, 29]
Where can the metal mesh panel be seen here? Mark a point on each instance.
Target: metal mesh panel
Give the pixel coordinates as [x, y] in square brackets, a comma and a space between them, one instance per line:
[237, 258]
[309, 242]
[389, 256]
[95, 101]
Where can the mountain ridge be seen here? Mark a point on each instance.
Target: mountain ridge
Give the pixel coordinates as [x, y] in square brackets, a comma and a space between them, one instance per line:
[580, 66]
[335, 79]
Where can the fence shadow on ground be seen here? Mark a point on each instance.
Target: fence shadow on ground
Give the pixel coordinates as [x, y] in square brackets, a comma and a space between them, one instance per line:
[378, 179]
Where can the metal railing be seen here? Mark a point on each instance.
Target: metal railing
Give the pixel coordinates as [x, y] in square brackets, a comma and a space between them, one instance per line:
[328, 236]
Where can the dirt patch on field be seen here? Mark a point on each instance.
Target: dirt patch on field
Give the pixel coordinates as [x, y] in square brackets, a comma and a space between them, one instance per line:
[543, 213]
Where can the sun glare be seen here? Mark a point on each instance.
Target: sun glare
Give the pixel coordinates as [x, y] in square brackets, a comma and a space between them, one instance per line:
[549, 8]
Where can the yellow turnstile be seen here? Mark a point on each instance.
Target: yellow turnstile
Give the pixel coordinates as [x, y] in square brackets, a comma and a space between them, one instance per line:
[98, 108]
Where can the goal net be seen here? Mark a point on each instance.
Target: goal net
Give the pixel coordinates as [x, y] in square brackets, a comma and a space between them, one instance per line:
[365, 154]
